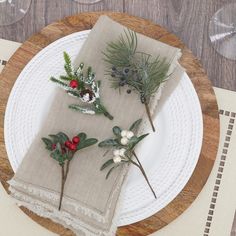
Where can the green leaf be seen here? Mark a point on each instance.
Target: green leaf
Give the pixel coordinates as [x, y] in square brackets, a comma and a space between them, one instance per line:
[109, 172]
[135, 140]
[82, 136]
[54, 137]
[106, 164]
[116, 130]
[108, 143]
[62, 137]
[54, 155]
[87, 143]
[48, 143]
[142, 137]
[135, 125]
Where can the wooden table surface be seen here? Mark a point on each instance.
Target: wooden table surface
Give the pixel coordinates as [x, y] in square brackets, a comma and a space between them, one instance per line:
[188, 19]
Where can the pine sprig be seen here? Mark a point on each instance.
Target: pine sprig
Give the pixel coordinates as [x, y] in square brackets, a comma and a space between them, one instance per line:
[80, 83]
[138, 70]
[68, 67]
[121, 52]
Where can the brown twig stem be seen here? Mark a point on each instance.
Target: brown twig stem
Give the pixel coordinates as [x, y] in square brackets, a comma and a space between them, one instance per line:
[67, 168]
[149, 116]
[139, 165]
[63, 180]
[62, 185]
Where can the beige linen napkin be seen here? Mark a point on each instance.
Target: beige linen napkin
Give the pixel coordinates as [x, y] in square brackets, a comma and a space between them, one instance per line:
[90, 202]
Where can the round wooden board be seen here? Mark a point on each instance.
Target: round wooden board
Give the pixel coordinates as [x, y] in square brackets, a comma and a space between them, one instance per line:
[201, 83]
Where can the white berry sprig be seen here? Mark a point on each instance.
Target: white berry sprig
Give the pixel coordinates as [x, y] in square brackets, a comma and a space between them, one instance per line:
[123, 145]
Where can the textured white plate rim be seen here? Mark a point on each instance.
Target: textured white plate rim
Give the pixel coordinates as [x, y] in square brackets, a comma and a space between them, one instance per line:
[126, 217]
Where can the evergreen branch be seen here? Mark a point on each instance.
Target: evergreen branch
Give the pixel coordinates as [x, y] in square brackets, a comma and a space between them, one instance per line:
[138, 70]
[60, 83]
[68, 66]
[82, 109]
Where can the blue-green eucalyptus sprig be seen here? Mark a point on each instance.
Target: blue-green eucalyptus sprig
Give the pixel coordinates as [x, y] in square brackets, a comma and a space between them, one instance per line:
[123, 144]
[62, 150]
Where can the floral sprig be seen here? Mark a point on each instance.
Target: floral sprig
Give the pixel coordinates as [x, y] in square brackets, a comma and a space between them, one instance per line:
[82, 85]
[62, 150]
[123, 145]
[137, 70]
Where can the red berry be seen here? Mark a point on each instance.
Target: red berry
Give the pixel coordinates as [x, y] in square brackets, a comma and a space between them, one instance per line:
[68, 143]
[73, 147]
[76, 140]
[74, 83]
[54, 146]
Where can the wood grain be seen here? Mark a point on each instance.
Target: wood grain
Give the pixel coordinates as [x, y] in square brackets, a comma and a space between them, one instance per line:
[196, 73]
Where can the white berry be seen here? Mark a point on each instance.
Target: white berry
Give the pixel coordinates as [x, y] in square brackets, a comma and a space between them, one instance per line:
[123, 133]
[116, 152]
[122, 152]
[129, 134]
[124, 141]
[117, 159]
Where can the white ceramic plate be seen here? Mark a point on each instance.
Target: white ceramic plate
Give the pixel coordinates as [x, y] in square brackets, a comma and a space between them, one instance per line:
[169, 155]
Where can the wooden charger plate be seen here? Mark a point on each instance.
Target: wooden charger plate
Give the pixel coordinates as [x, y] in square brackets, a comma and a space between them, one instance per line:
[194, 70]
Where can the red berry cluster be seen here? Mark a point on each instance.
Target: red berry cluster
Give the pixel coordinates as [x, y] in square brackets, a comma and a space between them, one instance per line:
[72, 145]
[74, 84]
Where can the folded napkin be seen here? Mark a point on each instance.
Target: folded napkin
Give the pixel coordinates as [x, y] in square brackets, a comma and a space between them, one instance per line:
[89, 205]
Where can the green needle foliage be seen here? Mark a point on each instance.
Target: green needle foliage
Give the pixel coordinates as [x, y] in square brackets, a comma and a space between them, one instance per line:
[139, 71]
[80, 83]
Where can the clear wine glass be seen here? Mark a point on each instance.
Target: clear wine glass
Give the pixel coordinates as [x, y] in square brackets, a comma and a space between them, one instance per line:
[12, 11]
[222, 31]
[88, 2]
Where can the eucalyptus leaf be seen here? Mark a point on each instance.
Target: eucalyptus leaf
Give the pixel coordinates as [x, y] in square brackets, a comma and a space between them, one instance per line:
[116, 130]
[109, 172]
[142, 137]
[106, 164]
[108, 143]
[135, 140]
[135, 125]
